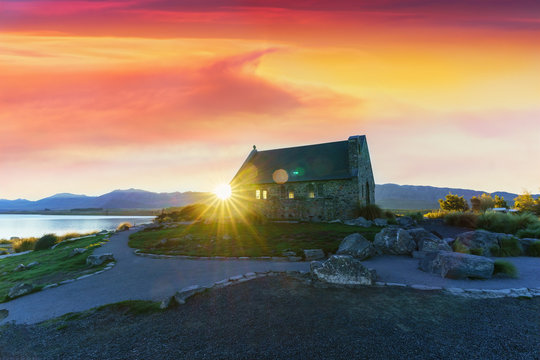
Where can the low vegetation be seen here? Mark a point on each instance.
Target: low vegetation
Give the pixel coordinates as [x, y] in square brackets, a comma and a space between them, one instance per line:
[506, 268]
[370, 212]
[184, 213]
[46, 242]
[531, 231]
[506, 223]
[240, 239]
[508, 247]
[54, 265]
[534, 249]
[461, 219]
[124, 226]
[26, 244]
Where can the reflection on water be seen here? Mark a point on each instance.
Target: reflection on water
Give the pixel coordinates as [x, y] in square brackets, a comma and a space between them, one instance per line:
[38, 225]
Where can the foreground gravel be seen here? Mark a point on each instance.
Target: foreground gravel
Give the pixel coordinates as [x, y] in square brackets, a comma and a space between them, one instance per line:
[285, 318]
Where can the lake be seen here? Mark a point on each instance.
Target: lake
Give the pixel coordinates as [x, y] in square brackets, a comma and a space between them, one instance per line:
[20, 225]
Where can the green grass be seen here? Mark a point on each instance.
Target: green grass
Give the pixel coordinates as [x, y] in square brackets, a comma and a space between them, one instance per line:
[532, 231]
[268, 239]
[55, 265]
[506, 223]
[534, 249]
[506, 268]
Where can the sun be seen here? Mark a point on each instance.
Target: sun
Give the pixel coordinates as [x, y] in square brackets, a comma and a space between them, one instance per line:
[223, 191]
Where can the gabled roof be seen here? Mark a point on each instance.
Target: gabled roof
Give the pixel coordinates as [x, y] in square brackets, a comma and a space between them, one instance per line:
[328, 161]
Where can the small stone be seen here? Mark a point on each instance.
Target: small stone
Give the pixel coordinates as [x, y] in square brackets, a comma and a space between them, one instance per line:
[168, 303]
[20, 267]
[95, 260]
[32, 264]
[294, 258]
[396, 284]
[250, 275]
[20, 290]
[77, 251]
[236, 278]
[288, 253]
[182, 295]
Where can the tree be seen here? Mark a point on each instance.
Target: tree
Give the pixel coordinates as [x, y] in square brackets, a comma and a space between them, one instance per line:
[482, 203]
[525, 202]
[453, 202]
[500, 202]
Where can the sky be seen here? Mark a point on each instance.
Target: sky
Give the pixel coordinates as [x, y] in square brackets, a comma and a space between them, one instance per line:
[171, 95]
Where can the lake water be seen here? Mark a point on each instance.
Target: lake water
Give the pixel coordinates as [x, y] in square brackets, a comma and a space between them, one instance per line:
[38, 225]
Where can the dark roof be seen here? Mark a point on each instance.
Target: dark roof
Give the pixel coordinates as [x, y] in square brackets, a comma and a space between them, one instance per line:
[328, 161]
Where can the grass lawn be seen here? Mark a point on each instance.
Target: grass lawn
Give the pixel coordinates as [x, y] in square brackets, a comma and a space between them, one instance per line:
[55, 265]
[245, 240]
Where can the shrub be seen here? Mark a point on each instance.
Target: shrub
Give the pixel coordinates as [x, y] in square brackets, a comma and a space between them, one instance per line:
[4, 241]
[508, 247]
[454, 203]
[482, 202]
[438, 214]
[417, 216]
[389, 215]
[500, 202]
[525, 202]
[370, 211]
[46, 242]
[462, 219]
[505, 267]
[21, 245]
[532, 231]
[477, 251]
[4, 251]
[457, 246]
[123, 226]
[505, 223]
[185, 213]
[534, 249]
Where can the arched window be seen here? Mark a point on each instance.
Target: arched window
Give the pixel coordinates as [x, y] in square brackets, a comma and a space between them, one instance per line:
[311, 191]
[265, 194]
[320, 190]
[257, 194]
[283, 192]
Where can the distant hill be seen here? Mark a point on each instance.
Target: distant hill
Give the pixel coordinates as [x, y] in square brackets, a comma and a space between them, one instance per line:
[118, 199]
[389, 196]
[411, 197]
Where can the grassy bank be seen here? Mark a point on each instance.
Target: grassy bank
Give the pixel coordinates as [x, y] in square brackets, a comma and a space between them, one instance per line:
[55, 265]
[269, 239]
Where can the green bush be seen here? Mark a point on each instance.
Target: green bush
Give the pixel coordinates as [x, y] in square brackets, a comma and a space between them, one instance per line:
[4, 251]
[46, 242]
[505, 267]
[508, 247]
[389, 215]
[437, 214]
[417, 216]
[453, 202]
[370, 212]
[534, 249]
[123, 226]
[477, 251]
[21, 245]
[462, 219]
[457, 246]
[185, 213]
[505, 223]
[532, 231]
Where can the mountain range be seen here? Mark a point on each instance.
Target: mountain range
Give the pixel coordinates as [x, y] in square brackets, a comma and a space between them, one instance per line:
[389, 196]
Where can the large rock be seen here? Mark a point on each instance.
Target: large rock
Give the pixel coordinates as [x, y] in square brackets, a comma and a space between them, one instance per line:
[427, 241]
[344, 269]
[357, 246]
[313, 254]
[359, 222]
[380, 222]
[456, 265]
[20, 290]
[395, 241]
[405, 222]
[95, 260]
[480, 240]
[19, 267]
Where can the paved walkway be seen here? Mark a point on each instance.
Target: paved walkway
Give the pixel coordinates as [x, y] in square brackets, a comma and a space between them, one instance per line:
[136, 277]
[133, 277]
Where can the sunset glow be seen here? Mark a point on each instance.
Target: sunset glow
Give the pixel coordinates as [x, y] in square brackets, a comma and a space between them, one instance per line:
[169, 95]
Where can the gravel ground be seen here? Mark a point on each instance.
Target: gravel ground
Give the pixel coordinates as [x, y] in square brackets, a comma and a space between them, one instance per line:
[285, 318]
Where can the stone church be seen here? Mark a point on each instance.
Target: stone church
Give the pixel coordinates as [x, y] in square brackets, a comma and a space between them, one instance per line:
[313, 182]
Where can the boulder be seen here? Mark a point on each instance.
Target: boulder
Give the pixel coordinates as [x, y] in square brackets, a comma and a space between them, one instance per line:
[181, 296]
[95, 260]
[357, 246]
[456, 265]
[427, 241]
[346, 270]
[20, 290]
[313, 254]
[314, 265]
[77, 251]
[380, 222]
[359, 222]
[405, 221]
[395, 241]
[481, 240]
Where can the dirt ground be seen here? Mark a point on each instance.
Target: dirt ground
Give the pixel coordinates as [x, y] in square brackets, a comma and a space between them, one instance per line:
[287, 318]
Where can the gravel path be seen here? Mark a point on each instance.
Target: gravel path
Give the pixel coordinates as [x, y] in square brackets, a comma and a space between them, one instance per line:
[132, 278]
[283, 318]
